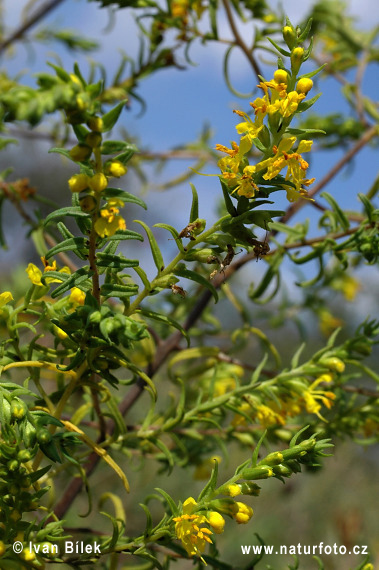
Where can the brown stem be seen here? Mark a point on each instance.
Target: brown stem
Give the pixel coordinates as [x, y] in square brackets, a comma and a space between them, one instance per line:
[38, 15]
[239, 40]
[92, 263]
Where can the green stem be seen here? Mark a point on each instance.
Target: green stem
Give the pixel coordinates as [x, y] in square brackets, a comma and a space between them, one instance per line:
[171, 266]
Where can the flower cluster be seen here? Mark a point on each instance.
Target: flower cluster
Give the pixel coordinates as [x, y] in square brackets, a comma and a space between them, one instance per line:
[189, 529]
[189, 526]
[106, 218]
[278, 104]
[297, 397]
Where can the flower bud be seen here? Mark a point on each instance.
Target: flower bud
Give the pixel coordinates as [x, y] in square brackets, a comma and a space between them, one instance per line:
[24, 456]
[281, 76]
[289, 36]
[304, 85]
[232, 490]
[18, 409]
[297, 56]
[116, 168]
[244, 513]
[95, 124]
[98, 182]
[273, 458]
[78, 182]
[333, 363]
[216, 521]
[88, 204]
[80, 152]
[260, 472]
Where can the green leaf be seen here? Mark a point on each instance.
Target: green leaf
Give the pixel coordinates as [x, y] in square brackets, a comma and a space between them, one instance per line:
[194, 214]
[157, 256]
[174, 233]
[62, 151]
[292, 131]
[280, 50]
[337, 210]
[149, 520]
[166, 320]
[169, 500]
[124, 196]
[112, 147]
[79, 357]
[305, 105]
[115, 290]
[270, 274]
[80, 276]
[77, 244]
[114, 261]
[368, 206]
[120, 235]
[65, 232]
[227, 199]
[110, 118]
[74, 211]
[142, 275]
[181, 271]
[62, 73]
[254, 458]
[211, 485]
[213, 20]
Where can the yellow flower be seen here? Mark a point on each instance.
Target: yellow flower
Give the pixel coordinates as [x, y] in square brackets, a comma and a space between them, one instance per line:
[117, 169]
[110, 221]
[78, 182]
[328, 323]
[233, 490]
[312, 397]
[98, 182]
[304, 85]
[5, 298]
[347, 285]
[289, 105]
[247, 186]
[294, 162]
[268, 417]
[251, 129]
[239, 419]
[188, 530]
[77, 297]
[34, 274]
[179, 8]
[216, 521]
[244, 513]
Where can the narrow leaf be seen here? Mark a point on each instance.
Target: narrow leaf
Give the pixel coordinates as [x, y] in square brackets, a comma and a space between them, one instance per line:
[194, 214]
[157, 256]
